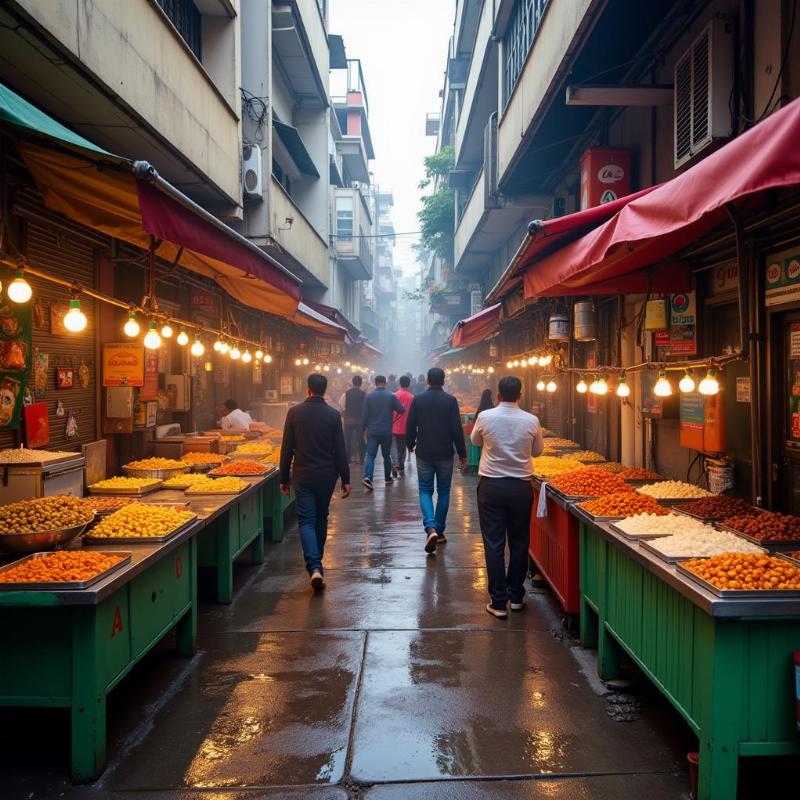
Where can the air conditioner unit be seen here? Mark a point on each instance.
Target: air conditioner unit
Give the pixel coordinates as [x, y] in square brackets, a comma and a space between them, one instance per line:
[251, 172]
[703, 83]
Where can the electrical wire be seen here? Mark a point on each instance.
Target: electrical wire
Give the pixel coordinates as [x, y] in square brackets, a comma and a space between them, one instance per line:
[767, 110]
[257, 110]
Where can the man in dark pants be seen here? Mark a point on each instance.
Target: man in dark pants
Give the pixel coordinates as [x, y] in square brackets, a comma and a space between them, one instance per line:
[509, 437]
[434, 430]
[314, 440]
[353, 409]
[379, 409]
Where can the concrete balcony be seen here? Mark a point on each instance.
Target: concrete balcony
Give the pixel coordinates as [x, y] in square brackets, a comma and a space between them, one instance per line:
[355, 255]
[308, 251]
[352, 226]
[480, 92]
[120, 74]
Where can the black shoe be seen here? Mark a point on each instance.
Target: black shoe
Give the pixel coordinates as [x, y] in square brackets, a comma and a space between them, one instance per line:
[430, 542]
[317, 584]
[367, 483]
[394, 471]
[389, 481]
[440, 538]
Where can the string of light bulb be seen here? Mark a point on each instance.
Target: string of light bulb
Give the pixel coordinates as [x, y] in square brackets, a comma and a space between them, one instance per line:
[536, 360]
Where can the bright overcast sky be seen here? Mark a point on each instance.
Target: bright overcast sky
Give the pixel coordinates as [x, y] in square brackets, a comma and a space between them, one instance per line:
[402, 45]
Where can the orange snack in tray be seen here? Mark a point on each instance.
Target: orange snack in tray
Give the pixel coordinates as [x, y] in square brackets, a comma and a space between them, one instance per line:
[611, 466]
[638, 474]
[589, 482]
[743, 571]
[766, 526]
[64, 566]
[241, 468]
[203, 458]
[623, 504]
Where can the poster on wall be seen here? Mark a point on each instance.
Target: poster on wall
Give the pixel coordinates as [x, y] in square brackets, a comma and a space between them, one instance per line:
[287, 385]
[15, 356]
[37, 426]
[123, 365]
[682, 324]
[782, 280]
[149, 390]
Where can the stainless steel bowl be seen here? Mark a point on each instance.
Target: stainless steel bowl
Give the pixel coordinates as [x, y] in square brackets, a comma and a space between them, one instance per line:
[160, 474]
[41, 540]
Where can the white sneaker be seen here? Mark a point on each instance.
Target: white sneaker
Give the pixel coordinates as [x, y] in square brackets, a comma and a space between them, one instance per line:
[498, 613]
[517, 606]
[317, 584]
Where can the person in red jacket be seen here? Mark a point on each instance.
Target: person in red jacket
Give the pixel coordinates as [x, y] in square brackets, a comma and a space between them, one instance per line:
[404, 395]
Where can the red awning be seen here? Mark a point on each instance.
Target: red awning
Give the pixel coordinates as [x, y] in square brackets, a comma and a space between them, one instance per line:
[476, 328]
[658, 224]
[311, 318]
[370, 349]
[334, 314]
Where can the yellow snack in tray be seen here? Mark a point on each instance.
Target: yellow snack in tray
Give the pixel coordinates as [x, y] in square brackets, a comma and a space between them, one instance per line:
[182, 481]
[256, 448]
[227, 485]
[119, 482]
[553, 466]
[156, 463]
[140, 519]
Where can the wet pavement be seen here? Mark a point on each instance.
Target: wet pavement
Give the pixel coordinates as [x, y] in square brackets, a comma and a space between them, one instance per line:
[393, 683]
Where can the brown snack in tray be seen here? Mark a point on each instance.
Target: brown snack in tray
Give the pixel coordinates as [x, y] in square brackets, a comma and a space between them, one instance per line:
[719, 506]
[766, 526]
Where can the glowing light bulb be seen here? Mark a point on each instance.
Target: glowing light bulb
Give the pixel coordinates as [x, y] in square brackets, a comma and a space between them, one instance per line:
[347, 363]
[540, 385]
[152, 341]
[662, 387]
[131, 327]
[197, 349]
[602, 386]
[623, 390]
[247, 357]
[19, 290]
[297, 362]
[338, 370]
[509, 364]
[490, 370]
[523, 363]
[305, 362]
[235, 353]
[327, 368]
[224, 347]
[217, 346]
[551, 386]
[267, 359]
[183, 338]
[75, 320]
[581, 387]
[166, 330]
[593, 385]
[687, 383]
[516, 362]
[259, 354]
[709, 385]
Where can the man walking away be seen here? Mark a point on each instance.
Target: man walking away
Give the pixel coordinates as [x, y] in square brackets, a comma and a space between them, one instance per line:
[314, 441]
[352, 404]
[399, 427]
[509, 437]
[391, 384]
[434, 429]
[419, 386]
[376, 423]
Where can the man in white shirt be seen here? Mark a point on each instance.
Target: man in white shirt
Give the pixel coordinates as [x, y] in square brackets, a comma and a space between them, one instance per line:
[509, 437]
[235, 419]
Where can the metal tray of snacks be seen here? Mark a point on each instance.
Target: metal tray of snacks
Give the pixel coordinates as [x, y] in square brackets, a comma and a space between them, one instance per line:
[635, 537]
[679, 510]
[669, 559]
[739, 594]
[158, 474]
[209, 492]
[594, 517]
[774, 544]
[795, 559]
[59, 585]
[665, 501]
[33, 541]
[91, 538]
[137, 491]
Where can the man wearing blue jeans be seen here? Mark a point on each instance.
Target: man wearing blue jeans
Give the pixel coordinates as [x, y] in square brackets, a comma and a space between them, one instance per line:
[434, 431]
[314, 440]
[379, 409]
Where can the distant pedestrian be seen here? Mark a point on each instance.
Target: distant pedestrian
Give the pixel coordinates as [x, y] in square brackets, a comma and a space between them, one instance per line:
[509, 437]
[313, 456]
[399, 428]
[486, 402]
[376, 424]
[434, 431]
[419, 385]
[352, 405]
[391, 384]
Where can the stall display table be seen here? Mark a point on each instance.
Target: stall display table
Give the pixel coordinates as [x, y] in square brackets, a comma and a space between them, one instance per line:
[554, 548]
[70, 648]
[275, 505]
[724, 664]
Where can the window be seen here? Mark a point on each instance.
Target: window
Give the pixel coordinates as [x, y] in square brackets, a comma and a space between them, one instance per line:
[526, 18]
[344, 217]
[183, 14]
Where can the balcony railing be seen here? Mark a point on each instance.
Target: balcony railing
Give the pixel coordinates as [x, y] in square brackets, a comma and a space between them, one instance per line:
[526, 19]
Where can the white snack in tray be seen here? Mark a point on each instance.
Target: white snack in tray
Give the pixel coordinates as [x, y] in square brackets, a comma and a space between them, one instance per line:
[668, 490]
[698, 544]
[655, 525]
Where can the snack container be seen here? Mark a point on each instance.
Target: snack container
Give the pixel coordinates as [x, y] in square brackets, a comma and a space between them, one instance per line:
[59, 585]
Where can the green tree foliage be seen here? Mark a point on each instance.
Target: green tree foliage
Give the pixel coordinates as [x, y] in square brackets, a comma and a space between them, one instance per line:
[437, 216]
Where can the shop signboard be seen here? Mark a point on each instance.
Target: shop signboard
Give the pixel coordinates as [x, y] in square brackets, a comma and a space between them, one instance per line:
[204, 303]
[692, 420]
[123, 365]
[782, 280]
[683, 325]
[743, 390]
[149, 390]
[723, 279]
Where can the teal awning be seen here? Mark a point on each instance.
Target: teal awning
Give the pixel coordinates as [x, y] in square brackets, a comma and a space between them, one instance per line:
[454, 351]
[16, 111]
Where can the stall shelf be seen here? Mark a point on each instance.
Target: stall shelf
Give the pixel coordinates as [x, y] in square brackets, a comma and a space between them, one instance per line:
[554, 547]
[724, 664]
[70, 648]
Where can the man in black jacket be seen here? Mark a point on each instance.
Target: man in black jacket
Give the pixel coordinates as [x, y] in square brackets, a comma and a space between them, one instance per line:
[353, 402]
[313, 438]
[434, 429]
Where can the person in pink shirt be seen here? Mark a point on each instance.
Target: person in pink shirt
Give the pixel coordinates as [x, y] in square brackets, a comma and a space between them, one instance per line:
[399, 427]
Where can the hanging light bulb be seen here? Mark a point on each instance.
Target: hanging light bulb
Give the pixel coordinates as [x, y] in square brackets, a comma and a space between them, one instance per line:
[623, 390]
[593, 385]
[338, 370]
[131, 327]
[602, 386]
[347, 363]
[75, 320]
[509, 364]
[217, 345]
[267, 359]
[581, 387]
[548, 359]
[490, 370]
[235, 353]
[259, 354]
[224, 347]
[709, 385]
[662, 387]
[516, 362]
[247, 357]
[687, 383]
[166, 330]
[152, 341]
[540, 385]
[524, 363]
[551, 386]
[305, 362]
[183, 338]
[297, 362]
[19, 290]
[197, 348]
